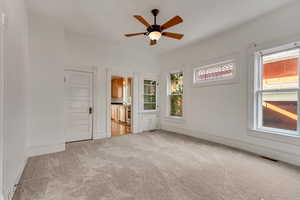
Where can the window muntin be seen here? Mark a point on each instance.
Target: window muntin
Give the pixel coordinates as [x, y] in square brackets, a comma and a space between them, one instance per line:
[150, 95]
[215, 72]
[176, 94]
[277, 91]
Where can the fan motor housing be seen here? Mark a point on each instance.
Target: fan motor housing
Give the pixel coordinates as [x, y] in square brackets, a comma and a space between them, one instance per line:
[154, 27]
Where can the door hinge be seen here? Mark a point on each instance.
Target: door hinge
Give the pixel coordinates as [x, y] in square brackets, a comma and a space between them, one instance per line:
[90, 110]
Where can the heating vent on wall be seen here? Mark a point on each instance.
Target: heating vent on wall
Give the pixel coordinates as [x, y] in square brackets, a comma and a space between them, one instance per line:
[267, 158]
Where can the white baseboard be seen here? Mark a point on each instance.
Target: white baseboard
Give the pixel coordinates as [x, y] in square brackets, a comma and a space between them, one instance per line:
[253, 148]
[12, 188]
[99, 135]
[46, 149]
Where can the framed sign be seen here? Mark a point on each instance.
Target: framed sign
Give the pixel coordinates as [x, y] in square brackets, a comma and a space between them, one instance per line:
[215, 72]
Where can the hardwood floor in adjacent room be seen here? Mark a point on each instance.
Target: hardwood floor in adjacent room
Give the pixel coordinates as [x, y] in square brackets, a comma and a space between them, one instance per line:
[119, 128]
[156, 166]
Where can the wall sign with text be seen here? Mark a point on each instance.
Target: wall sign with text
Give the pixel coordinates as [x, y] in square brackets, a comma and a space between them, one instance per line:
[215, 72]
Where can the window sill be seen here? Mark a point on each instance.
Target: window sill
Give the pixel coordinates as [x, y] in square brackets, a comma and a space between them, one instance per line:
[149, 111]
[175, 119]
[293, 139]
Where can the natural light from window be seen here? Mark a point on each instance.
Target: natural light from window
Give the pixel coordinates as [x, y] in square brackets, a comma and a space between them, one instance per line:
[176, 94]
[278, 94]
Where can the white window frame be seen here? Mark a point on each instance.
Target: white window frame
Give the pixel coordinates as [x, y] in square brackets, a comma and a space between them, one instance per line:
[156, 95]
[195, 82]
[168, 114]
[258, 91]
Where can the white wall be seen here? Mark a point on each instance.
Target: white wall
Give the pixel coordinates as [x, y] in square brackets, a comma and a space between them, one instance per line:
[89, 51]
[52, 49]
[1, 103]
[92, 51]
[220, 113]
[15, 96]
[46, 91]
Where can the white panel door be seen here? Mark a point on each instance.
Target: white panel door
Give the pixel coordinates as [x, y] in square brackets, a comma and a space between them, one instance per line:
[78, 105]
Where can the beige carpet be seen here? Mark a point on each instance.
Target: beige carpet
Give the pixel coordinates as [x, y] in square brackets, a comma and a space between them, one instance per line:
[156, 166]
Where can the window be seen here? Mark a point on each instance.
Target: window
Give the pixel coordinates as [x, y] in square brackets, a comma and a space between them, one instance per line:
[150, 95]
[215, 72]
[175, 93]
[277, 90]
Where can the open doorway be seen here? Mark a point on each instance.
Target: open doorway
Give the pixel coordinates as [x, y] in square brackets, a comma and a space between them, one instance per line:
[121, 105]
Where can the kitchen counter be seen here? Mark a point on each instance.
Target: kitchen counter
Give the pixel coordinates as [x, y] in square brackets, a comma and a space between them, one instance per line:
[121, 112]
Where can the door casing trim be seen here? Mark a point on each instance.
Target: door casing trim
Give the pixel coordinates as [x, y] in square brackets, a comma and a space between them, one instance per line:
[135, 99]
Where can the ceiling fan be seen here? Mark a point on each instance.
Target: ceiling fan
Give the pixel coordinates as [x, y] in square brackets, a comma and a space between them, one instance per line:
[155, 31]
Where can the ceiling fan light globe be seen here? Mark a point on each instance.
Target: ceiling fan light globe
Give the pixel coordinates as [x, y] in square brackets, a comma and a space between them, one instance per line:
[155, 35]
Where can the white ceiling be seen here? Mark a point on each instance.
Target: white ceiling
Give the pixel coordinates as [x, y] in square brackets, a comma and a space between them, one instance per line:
[111, 19]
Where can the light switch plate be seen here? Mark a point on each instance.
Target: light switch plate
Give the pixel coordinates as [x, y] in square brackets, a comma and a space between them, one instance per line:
[3, 19]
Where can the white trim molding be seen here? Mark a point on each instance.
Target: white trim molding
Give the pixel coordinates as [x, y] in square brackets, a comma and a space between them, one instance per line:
[219, 67]
[2, 27]
[250, 147]
[99, 135]
[45, 149]
[135, 99]
[108, 102]
[277, 137]
[167, 100]
[11, 191]
[234, 57]
[256, 90]
[142, 92]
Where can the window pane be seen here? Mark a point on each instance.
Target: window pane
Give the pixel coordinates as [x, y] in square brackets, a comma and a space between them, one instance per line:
[150, 90]
[149, 106]
[149, 98]
[176, 86]
[149, 87]
[281, 70]
[149, 95]
[149, 82]
[176, 105]
[279, 110]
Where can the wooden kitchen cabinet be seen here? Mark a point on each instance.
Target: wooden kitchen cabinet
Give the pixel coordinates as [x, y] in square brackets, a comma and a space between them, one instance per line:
[120, 113]
[117, 88]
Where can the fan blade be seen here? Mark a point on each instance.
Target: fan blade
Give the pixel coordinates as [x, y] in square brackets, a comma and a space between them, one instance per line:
[172, 22]
[173, 35]
[134, 34]
[153, 42]
[142, 20]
